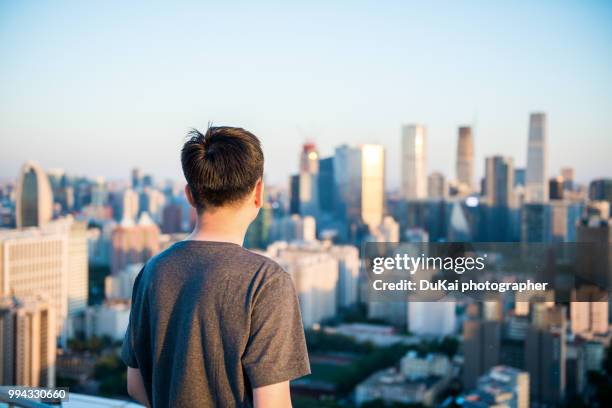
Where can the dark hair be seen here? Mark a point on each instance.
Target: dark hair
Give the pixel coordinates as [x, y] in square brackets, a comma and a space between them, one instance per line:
[221, 166]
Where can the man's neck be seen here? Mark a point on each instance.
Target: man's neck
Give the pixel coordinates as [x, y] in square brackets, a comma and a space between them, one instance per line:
[219, 227]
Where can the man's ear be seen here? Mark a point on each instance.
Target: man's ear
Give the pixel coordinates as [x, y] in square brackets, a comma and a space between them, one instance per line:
[189, 196]
[259, 187]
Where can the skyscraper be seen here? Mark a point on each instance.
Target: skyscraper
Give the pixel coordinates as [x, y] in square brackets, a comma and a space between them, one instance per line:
[309, 159]
[359, 173]
[373, 184]
[499, 181]
[304, 186]
[327, 186]
[537, 159]
[414, 162]
[34, 197]
[465, 158]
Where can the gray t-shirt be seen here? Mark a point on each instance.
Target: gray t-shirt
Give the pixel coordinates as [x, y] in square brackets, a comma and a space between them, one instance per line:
[209, 322]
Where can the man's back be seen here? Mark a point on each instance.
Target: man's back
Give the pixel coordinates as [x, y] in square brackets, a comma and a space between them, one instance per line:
[210, 321]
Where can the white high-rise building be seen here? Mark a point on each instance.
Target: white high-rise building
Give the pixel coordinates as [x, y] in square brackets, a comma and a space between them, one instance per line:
[414, 162]
[315, 275]
[49, 261]
[322, 272]
[537, 159]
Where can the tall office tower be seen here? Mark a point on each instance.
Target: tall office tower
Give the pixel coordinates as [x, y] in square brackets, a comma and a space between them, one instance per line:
[315, 275]
[568, 178]
[309, 159]
[537, 159]
[436, 186]
[347, 175]
[78, 265]
[28, 336]
[294, 194]
[546, 354]
[327, 186]
[432, 318]
[137, 176]
[414, 162]
[130, 204]
[308, 194]
[304, 194]
[359, 173]
[134, 243]
[501, 386]
[34, 198]
[304, 186]
[372, 184]
[499, 182]
[465, 158]
[589, 311]
[481, 347]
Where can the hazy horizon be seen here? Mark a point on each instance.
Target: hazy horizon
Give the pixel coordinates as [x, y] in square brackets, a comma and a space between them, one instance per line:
[97, 89]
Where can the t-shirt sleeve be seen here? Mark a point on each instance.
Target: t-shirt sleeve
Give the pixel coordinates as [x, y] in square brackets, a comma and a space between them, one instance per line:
[276, 350]
[132, 334]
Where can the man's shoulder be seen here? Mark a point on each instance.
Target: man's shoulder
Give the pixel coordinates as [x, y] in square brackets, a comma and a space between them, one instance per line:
[182, 251]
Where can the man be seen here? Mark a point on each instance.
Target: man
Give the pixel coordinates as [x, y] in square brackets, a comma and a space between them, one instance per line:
[213, 324]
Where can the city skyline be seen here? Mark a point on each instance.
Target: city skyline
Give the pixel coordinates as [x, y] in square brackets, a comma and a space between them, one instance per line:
[131, 84]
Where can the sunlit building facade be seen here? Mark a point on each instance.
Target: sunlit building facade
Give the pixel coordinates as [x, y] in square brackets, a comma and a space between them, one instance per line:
[414, 162]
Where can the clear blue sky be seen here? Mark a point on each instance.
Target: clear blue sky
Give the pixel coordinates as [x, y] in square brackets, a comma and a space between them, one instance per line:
[99, 87]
